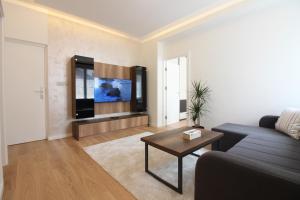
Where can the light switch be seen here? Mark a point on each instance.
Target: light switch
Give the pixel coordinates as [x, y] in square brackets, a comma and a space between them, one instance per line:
[61, 83]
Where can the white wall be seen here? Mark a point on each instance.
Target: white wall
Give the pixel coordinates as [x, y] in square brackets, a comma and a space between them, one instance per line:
[250, 61]
[149, 55]
[25, 24]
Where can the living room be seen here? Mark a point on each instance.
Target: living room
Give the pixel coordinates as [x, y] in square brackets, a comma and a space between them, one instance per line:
[150, 99]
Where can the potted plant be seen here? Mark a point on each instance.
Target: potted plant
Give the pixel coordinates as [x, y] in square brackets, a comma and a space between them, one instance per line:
[199, 98]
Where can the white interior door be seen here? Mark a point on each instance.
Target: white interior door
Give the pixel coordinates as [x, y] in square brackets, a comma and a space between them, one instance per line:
[24, 97]
[183, 87]
[172, 91]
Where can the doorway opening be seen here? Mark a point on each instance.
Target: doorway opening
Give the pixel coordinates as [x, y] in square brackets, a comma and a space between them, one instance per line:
[175, 90]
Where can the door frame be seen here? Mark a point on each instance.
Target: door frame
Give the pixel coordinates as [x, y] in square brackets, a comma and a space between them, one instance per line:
[4, 150]
[164, 81]
[45, 76]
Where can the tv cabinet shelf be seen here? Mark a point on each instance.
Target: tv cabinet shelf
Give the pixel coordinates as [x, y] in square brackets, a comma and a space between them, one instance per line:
[96, 126]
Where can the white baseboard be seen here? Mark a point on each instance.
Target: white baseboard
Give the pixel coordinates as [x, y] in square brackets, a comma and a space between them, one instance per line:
[182, 115]
[59, 136]
[1, 189]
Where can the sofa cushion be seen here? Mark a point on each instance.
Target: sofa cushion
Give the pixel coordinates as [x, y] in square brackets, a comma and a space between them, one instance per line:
[273, 151]
[289, 122]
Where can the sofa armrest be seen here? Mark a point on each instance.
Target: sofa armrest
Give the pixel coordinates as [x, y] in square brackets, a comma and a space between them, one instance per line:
[268, 121]
[224, 176]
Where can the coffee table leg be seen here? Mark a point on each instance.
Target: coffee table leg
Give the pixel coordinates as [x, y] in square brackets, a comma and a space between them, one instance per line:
[179, 186]
[180, 175]
[146, 157]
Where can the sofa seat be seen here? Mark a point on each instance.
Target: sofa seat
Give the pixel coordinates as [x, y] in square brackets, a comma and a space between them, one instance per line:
[245, 130]
[234, 133]
[264, 145]
[281, 154]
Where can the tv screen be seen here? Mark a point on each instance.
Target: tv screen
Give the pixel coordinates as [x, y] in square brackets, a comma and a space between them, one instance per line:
[112, 90]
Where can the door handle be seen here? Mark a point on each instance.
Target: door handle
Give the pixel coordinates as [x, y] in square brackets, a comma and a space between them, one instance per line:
[41, 92]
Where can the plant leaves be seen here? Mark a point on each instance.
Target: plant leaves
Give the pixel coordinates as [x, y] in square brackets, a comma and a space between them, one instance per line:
[199, 98]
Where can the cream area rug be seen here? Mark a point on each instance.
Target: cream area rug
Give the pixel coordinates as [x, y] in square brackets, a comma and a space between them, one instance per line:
[124, 160]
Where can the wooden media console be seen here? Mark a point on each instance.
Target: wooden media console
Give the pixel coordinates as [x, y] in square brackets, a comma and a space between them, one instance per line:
[96, 126]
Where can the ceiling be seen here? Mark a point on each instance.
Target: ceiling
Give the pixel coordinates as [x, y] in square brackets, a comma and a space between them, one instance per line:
[137, 18]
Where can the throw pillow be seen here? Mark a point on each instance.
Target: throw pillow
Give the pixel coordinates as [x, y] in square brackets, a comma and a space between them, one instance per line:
[289, 122]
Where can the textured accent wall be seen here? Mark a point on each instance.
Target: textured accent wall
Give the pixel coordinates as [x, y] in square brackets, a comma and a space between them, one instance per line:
[65, 40]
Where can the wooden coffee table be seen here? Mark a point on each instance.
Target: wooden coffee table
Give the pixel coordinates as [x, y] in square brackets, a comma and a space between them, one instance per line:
[173, 143]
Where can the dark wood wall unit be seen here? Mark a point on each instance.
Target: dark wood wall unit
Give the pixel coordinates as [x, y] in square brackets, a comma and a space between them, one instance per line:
[83, 107]
[138, 76]
[85, 128]
[114, 107]
[111, 71]
[73, 86]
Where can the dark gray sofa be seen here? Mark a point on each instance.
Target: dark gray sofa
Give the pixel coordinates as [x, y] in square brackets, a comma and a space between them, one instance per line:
[251, 163]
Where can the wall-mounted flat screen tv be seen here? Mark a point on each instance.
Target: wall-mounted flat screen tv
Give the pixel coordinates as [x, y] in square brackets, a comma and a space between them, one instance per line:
[112, 90]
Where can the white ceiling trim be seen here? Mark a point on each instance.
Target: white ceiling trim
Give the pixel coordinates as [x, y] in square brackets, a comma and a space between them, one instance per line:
[190, 21]
[175, 27]
[72, 18]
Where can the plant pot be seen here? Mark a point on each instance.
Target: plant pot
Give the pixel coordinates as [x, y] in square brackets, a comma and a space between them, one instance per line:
[198, 126]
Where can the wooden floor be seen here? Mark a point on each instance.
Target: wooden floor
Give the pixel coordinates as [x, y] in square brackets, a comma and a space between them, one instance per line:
[60, 169]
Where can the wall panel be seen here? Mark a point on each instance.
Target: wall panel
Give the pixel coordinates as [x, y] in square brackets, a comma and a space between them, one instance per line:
[111, 71]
